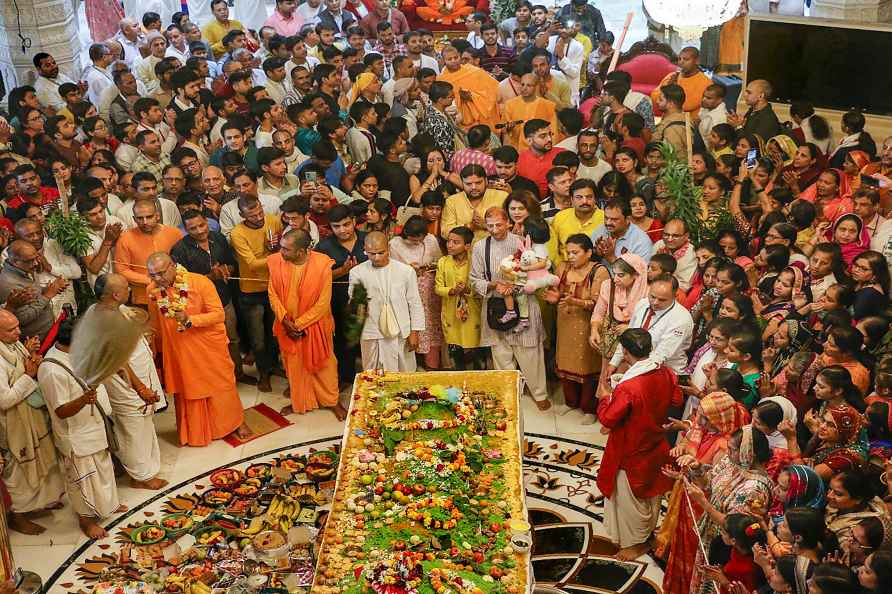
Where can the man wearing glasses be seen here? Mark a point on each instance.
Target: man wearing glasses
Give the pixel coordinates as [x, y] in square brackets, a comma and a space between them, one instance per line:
[18, 277]
[677, 243]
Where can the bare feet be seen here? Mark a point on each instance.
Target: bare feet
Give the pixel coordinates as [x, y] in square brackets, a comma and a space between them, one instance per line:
[287, 410]
[120, 509]
[153, 484]
[286, 393]
[91, 528]
[243, 432]
[20, 523]
[632, 553]
[248, 380]
[263, 385]
[339, 411]
[543, 404]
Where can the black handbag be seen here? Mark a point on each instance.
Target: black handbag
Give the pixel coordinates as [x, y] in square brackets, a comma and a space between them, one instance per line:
[495, 306]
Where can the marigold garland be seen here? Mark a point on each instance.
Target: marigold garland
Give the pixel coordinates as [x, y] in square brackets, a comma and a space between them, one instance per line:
[167, 307]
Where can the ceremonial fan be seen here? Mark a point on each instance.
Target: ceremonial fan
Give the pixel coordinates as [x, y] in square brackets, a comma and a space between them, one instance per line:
[103, 340]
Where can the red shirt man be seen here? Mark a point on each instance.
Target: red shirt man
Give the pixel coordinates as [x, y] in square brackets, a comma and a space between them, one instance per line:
[30, 193]
[535, 162]
[630, 477]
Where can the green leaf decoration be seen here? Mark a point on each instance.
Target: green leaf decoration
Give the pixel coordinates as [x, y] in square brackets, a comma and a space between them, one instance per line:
[685, 198]
[71, 231]
[357, 311]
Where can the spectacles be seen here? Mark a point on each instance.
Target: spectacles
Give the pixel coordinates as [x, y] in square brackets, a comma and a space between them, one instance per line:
[673, 235]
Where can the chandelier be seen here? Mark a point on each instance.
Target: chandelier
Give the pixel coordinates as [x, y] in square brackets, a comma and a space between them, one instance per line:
[691, 17]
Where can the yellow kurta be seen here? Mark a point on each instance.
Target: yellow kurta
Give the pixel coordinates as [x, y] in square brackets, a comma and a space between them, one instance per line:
[458, 211]
[214, 32]
[484, 89]
[519, 109]
[565, 224]
[465, 334]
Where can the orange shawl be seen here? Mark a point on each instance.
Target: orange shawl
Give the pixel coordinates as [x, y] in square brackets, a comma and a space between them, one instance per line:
[299, 296]
[484, 89]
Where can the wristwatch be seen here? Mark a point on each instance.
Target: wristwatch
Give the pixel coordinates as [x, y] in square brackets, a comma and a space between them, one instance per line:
[188, 324]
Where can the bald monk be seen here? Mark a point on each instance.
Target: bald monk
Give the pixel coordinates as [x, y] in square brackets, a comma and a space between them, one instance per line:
[135, 245]
[689, 77]
[395, 313]
[300, 296]
[135, 394]
[478, 91]
[30, 467]
[197, 367]
[527, 106]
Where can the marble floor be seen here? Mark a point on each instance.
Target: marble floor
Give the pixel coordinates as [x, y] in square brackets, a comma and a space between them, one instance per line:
[43, 554]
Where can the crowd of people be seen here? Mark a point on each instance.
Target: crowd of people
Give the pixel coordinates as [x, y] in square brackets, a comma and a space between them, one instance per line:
[333, 193]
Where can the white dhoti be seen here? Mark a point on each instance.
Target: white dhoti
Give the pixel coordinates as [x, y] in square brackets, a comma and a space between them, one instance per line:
[90, 484]
[138, 448]
[530, 361]
[27, 497]
[629, 521]
[389, 354]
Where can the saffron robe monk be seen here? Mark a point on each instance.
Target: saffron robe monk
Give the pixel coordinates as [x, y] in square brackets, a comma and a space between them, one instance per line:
[197, 368]
[477, 92]
[527, 106]
[300, 296]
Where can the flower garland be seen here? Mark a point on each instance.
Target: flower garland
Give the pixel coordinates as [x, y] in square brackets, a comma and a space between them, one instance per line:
[167, 307]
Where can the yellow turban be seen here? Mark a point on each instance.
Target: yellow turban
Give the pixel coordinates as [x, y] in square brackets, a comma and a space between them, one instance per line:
[362, 81]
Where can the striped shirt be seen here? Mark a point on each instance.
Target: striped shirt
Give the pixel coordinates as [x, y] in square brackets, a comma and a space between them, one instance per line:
[499, 250]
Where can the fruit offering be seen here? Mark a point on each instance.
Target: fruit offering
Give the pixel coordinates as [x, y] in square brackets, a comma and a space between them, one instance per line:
[211, 536]
[148, 534]
[292, 464]
[248, 488]
[216, 497]
[258, 471]
[428, 484]
[226, 477]
[176, 523]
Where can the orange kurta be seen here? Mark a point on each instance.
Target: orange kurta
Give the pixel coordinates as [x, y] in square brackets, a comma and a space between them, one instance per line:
[132, 251]
[303, 293]
[197, 367]
[484, 89]
[693, 89]
[518, 109]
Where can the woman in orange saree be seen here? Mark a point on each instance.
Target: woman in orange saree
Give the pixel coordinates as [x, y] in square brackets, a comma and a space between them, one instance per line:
[712, 426]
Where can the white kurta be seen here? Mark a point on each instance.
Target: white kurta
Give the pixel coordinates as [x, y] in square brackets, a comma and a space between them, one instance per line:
[63, 266]
[81, 438]
[25, 496]
[138, 448]
[396, 284]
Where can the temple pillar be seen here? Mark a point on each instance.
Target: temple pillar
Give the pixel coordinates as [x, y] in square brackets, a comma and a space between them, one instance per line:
[51, 26]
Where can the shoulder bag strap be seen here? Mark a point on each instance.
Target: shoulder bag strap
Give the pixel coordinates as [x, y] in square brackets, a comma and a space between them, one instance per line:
[79, 381]
[486, 255]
